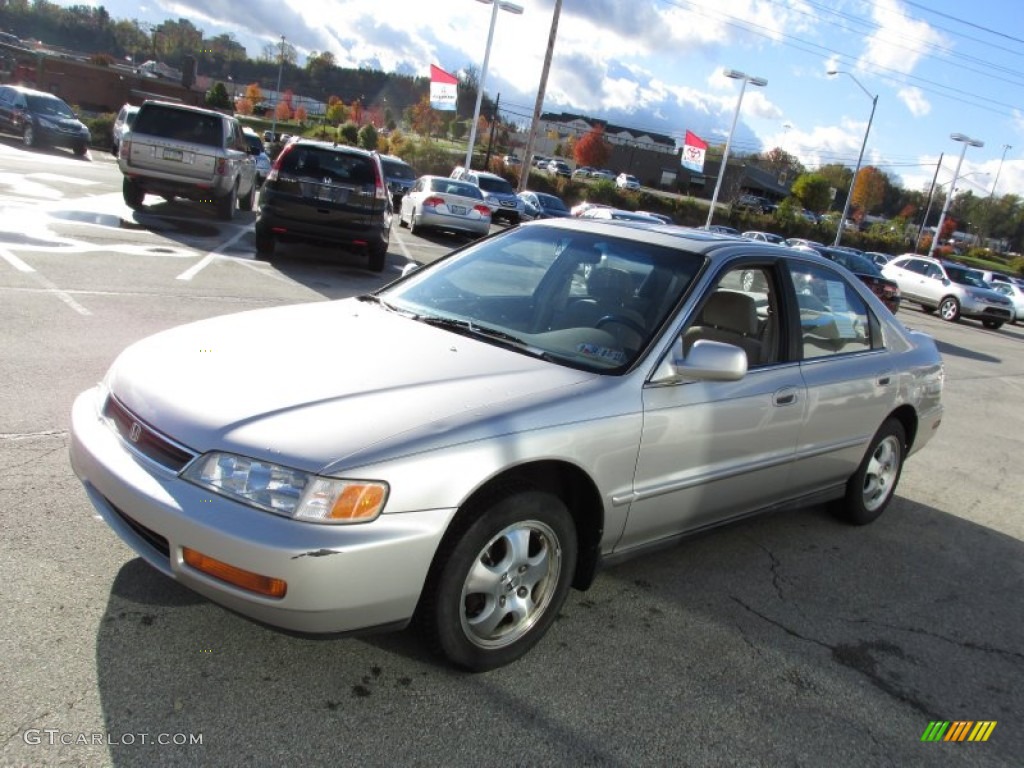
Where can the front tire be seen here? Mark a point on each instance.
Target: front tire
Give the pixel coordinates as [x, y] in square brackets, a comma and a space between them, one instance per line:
[949, 309]
[872, 486]
[500, 578]
[133, 194]
[80, 149]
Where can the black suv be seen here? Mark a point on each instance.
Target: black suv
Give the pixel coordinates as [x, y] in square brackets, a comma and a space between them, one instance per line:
[40, 119]
[400, 177]
[325, 193]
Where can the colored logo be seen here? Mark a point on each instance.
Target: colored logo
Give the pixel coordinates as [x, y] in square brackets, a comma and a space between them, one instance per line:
[958, 730]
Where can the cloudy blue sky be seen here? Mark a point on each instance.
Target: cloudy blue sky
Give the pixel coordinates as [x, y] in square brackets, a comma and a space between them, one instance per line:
[937, 67]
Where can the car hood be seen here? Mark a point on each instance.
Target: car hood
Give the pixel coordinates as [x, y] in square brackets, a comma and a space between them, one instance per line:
[328, 383]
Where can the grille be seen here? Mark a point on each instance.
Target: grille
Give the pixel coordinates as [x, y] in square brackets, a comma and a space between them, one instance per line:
[151, 537]
[143, 439]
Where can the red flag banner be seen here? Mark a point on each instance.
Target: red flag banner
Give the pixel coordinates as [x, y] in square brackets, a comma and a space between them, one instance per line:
[444, 89]
[693, 152]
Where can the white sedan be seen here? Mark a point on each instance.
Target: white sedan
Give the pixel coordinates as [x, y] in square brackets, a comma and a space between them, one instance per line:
[439, 202]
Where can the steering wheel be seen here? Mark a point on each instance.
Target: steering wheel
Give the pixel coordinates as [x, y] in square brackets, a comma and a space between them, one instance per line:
[629, 322]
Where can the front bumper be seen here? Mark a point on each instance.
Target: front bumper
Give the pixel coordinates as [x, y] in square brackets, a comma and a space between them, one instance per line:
[971, 307]
[339, 578]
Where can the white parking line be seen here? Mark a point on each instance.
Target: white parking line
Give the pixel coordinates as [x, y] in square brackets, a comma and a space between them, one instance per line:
[208, 259]
[14, 261]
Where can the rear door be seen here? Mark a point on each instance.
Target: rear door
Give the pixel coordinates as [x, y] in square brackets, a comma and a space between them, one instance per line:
[324, 186]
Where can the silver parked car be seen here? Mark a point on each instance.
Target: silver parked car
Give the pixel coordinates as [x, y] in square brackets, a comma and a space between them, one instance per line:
[954, 290]
[486, 432]
[440, 202]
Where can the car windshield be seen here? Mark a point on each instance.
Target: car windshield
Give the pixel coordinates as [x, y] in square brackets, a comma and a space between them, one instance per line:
[965, 276]
[581, 299]
[496, 185]
[550, 202]
[396, 169]
[48, 105]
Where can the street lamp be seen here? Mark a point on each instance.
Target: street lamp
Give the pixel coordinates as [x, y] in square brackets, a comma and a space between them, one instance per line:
[860, 157]
[496, 5]
[277, 94]
[967, 142]
[735, 75]
[931, 196]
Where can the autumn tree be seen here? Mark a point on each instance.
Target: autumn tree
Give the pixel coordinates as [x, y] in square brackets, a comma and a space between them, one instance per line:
[423, 118]
[300, 114]
[869, 189]
[243, 106]
[283, 111]
[593, 148]
[253, 94]
[337, 112]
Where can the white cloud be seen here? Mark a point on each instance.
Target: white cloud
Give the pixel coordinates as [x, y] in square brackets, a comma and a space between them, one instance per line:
[914, 100]
[900, 41]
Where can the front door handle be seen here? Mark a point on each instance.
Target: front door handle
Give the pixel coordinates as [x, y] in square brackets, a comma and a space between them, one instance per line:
[785, 396]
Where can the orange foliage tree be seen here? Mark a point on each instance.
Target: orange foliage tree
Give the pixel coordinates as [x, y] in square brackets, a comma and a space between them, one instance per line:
[869, 189]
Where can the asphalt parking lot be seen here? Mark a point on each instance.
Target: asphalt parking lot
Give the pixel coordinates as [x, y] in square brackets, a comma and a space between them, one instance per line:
[790, 639]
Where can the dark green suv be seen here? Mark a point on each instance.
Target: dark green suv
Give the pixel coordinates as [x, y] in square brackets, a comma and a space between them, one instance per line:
[328, 194]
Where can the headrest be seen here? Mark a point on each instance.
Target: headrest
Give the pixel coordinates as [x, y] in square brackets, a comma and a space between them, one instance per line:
[731, 311]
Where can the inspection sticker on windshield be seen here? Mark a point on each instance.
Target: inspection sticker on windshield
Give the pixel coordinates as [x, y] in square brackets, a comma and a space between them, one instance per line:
[602, 353]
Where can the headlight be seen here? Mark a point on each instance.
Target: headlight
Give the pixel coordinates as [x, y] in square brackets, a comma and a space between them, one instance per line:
[288, 492]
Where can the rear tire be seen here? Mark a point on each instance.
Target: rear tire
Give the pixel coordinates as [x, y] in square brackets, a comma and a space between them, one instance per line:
[994, 325]
[377, 257]
[247, 202]
[28, 136]
[872, 486]
[414, 229]
[499, 579]
[264, 242]
[226, 205]
[133, 194]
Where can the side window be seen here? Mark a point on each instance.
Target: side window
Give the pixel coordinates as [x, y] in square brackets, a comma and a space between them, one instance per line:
[742, 310]
[834, 320]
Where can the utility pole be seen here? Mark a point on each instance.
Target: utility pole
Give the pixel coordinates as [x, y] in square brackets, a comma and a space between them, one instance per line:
[928, 208]
[524, 173]
[490, 139]
[277, 95]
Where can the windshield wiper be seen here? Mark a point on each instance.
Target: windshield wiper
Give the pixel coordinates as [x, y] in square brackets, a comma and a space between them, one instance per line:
[469, 328]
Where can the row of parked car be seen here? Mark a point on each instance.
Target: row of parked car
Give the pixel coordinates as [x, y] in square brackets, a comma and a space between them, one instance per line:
[953, 290]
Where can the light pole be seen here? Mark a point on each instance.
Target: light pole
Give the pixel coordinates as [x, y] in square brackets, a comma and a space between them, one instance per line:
[967, 142]
[277, 94]
[988, 206]
[524, 172]
[503, 5]
[735, 75]
[860, 157]
[931, 196]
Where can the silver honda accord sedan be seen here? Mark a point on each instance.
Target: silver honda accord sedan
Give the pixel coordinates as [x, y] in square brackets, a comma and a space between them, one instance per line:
[469, 442]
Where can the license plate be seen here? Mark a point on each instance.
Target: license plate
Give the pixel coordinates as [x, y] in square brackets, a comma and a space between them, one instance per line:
[172, 154]
[459, 209]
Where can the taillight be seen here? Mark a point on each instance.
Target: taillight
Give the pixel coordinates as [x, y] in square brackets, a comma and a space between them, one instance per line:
[380, 190]
[222, 166]
[276, 167]
[433, 202]
[482, 209]
[126, 147]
